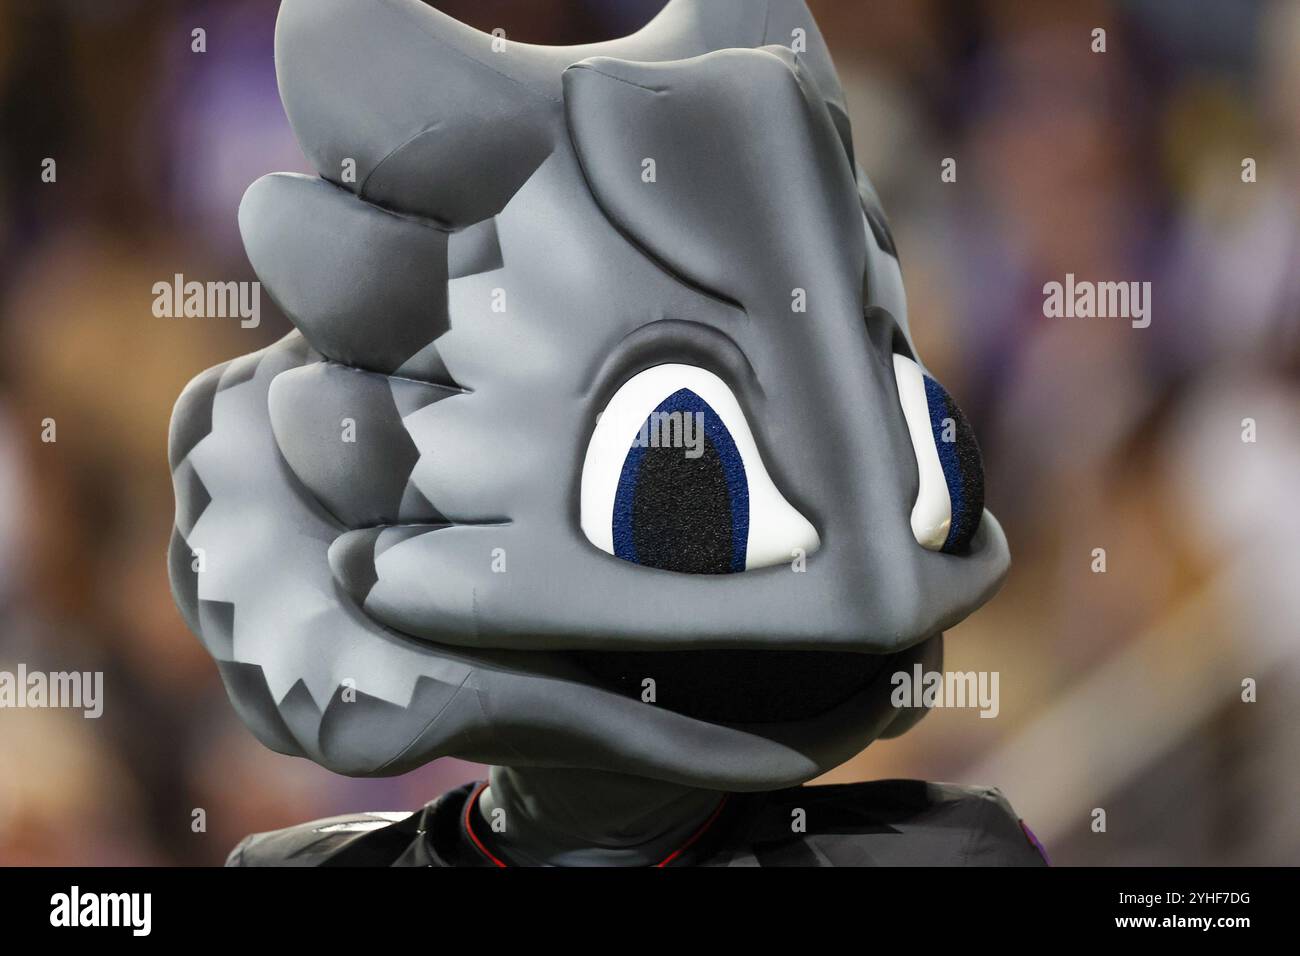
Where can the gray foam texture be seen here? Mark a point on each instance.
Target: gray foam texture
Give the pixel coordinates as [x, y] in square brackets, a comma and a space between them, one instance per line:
[348, 589]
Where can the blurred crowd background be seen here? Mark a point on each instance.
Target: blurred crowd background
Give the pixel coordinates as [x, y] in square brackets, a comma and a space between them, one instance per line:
[1120, 691]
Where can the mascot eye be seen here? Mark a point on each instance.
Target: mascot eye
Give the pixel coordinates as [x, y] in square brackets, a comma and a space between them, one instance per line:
[673, 480]
[950, 495]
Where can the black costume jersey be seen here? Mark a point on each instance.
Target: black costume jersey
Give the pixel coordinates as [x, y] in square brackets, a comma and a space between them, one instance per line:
[880, 823]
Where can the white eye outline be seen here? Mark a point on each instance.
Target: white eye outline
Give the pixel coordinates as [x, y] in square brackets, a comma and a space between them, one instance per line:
[932, 514]
[776, 529]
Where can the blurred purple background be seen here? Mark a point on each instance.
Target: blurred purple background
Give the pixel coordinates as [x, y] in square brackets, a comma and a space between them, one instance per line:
[1119, 691]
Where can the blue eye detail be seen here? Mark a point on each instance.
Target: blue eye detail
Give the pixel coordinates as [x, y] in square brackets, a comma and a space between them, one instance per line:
[679, 484]
[682, 501]
[963, 469]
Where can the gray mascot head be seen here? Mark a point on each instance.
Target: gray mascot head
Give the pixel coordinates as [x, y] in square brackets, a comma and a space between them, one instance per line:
[601, 442]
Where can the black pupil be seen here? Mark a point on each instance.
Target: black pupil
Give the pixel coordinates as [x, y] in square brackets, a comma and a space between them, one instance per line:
[681, 512]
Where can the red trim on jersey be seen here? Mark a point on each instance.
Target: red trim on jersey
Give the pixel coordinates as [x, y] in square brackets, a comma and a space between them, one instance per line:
[472, 802]
[697, 834]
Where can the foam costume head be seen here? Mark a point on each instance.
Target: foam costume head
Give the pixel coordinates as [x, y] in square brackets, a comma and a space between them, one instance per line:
[602, 374]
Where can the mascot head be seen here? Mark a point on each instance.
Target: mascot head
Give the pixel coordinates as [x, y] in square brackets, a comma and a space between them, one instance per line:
[601, 441]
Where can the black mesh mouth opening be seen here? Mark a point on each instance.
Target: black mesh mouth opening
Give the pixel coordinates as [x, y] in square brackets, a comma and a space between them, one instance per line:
[737, 686]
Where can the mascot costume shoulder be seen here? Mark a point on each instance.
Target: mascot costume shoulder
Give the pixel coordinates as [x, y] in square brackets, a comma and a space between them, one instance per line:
[600, 454]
